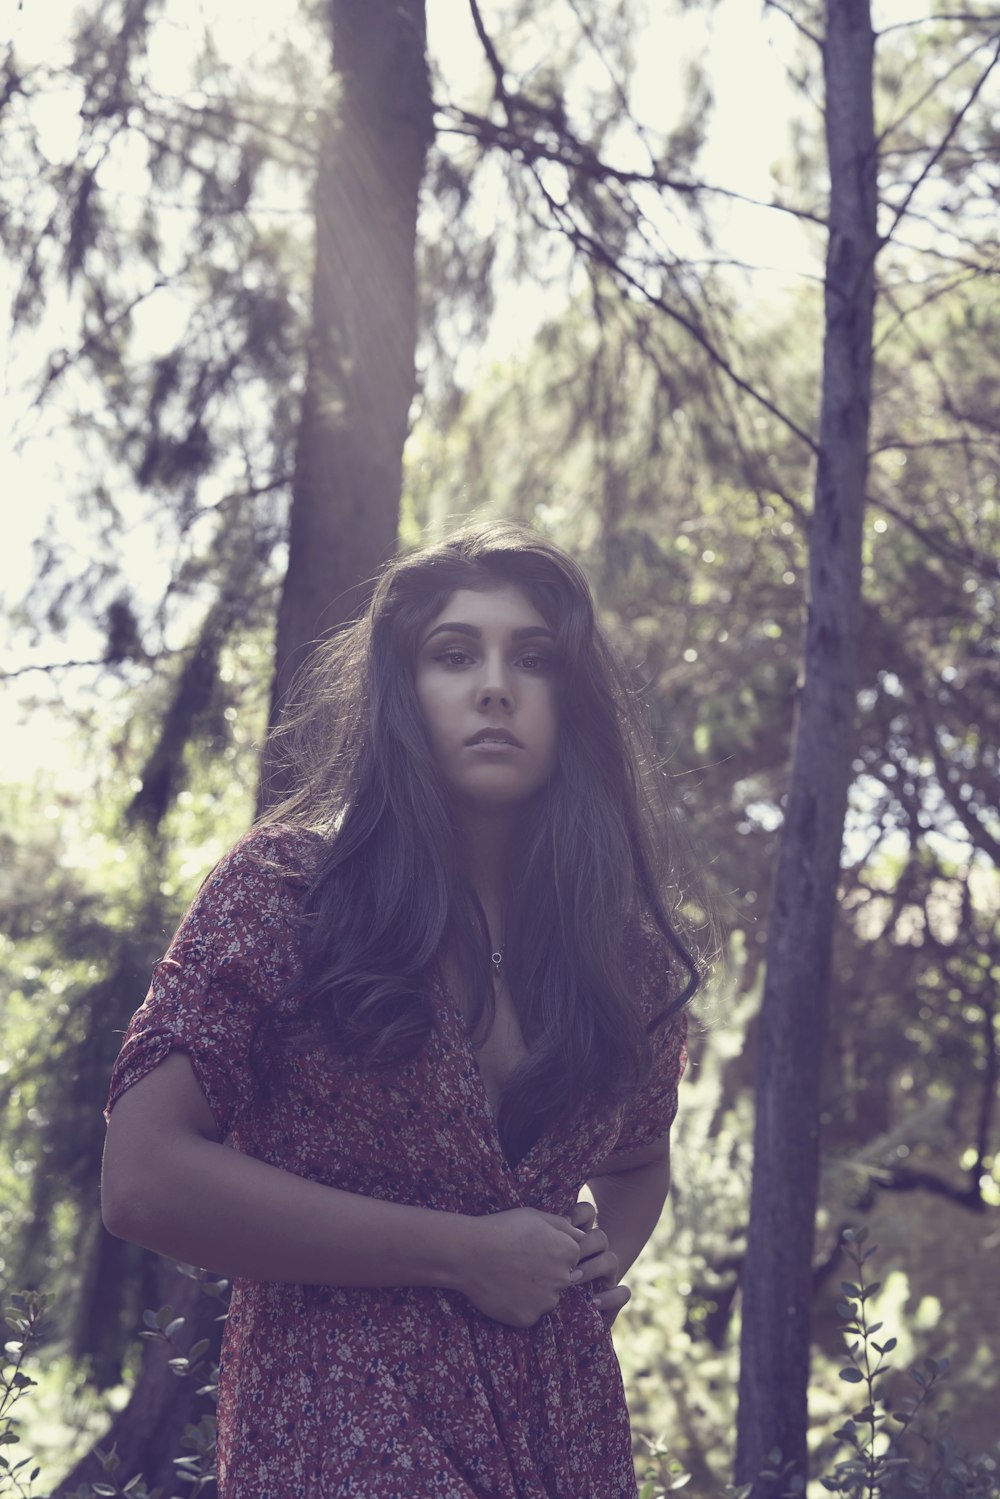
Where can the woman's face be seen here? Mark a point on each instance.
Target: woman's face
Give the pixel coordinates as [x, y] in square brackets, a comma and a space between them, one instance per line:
[485, 680]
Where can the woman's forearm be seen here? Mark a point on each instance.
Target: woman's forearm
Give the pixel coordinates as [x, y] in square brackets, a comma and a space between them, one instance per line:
[208, 1205]
[629, 1204]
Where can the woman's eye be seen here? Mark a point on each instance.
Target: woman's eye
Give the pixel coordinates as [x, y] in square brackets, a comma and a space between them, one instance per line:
[534, 662]
[453, 657]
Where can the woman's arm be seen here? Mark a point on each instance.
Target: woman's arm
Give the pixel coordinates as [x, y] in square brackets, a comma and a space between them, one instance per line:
[172, 1186]
[629, 1192]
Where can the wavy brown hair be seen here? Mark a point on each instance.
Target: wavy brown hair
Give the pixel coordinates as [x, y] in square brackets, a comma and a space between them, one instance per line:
[389, 898]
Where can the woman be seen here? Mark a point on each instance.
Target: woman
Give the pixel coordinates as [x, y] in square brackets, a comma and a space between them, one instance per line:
[404, 1021]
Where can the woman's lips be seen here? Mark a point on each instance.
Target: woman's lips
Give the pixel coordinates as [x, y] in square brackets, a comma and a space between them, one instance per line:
[495, 737]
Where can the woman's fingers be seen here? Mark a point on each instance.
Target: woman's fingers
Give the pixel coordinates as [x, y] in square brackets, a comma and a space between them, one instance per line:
[598, 1267]
[595, 1242]
[609, 1303]
[583, 1215]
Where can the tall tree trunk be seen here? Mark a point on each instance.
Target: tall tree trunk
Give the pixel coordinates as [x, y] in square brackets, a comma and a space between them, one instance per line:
[360, 381]
[775, 1349]
[346, 488]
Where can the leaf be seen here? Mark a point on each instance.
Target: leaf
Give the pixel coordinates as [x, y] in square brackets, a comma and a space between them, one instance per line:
[851, 1375]
[680, 1482]
[874, 1328]
[874, 1288]
[849, 1289]
[172, 1327]
[888, 1345]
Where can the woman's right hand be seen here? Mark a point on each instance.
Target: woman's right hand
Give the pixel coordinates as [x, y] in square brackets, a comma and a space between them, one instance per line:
[521, 1262]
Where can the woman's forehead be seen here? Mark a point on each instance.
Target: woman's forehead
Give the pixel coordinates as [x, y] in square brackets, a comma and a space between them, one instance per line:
[505, 606]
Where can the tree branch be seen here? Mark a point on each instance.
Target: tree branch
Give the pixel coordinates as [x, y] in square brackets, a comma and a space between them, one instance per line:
[967, 16]
[496, 66]
[576, 156]
[911, 1179]
[598, 252]
[800, 26]
[936, 155]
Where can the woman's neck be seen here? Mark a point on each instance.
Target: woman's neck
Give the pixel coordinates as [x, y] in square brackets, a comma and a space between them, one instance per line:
[486, 841]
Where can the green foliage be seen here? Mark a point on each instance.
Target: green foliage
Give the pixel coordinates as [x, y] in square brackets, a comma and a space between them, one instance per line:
[25, 1318]
[893, 1451]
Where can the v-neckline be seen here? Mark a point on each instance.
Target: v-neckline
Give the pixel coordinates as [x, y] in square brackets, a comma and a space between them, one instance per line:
[477, 1081]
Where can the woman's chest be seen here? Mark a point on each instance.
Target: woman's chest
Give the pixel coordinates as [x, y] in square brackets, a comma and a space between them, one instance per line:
[499, 1049]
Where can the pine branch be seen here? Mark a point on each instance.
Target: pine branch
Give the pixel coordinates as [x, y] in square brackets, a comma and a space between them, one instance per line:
[577, 156]
[800, 26]
[935, 156]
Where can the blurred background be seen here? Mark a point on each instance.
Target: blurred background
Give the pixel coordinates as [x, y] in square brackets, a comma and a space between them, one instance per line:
[274, 309]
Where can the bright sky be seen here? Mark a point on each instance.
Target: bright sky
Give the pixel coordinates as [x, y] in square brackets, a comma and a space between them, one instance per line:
[749, 133]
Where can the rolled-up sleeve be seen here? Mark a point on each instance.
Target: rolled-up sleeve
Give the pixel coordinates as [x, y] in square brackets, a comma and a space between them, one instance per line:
[233, 955]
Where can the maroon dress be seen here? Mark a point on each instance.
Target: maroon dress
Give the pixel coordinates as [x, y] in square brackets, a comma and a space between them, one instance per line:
[407, 1392]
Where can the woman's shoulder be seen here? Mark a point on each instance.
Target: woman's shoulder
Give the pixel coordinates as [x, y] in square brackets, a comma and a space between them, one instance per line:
[655, 968]
[272, 851]
[260, 880]
[283, 849]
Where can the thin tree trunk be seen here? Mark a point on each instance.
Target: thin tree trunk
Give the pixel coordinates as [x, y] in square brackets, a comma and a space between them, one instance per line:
[775, 1348]
[360, 380]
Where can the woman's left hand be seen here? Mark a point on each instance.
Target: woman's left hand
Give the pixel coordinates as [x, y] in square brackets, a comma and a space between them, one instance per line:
[598, 1262]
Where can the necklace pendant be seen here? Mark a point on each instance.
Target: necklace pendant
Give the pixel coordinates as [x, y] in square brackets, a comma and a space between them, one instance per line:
[496, 958]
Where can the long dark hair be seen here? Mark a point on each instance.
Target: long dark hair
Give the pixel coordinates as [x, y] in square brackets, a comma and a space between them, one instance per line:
[389, 898]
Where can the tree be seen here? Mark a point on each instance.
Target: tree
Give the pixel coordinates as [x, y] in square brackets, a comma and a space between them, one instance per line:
[774, 1366]
[360, 372]
[351, 426]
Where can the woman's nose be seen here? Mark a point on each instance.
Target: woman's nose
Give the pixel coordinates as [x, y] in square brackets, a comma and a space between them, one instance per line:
[500, 696]
[494, 687]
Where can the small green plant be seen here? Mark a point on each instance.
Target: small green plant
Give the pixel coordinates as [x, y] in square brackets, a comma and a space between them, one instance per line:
[195, 1468]
[876, 1466]
[875, 1460]
[24, 1317]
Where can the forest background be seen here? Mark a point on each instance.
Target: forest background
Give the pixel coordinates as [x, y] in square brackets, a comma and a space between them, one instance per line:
[602, 228]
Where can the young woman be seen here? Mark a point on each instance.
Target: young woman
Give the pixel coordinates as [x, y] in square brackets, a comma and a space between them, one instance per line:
[403, 1023]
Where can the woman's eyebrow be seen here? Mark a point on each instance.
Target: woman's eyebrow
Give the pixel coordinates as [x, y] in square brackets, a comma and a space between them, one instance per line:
[456, 628]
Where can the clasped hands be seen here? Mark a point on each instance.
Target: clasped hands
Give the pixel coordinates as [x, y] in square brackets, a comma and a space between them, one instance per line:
[598, 1261]
[523, 1260]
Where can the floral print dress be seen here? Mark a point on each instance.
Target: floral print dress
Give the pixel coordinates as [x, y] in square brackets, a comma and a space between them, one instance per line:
[406, 1392]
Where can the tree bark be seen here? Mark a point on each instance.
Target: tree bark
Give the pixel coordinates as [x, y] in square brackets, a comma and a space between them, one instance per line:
[360, 378]
[775, 1349]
